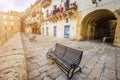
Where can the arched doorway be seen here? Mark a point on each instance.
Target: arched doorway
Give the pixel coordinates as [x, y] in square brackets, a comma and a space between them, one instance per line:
[35, 28]
[99, 25]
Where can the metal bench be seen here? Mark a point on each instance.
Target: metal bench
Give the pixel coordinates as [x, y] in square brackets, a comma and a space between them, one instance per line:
[68, 59]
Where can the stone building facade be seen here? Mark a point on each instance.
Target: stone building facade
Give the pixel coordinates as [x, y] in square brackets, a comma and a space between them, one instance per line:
[100, 20]
[23, 21]
[9, 25]
[82, 20]
[60, 18]
[33, 18]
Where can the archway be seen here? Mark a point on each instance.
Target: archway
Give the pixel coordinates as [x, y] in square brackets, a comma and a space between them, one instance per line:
[35, 28]
[99, 24]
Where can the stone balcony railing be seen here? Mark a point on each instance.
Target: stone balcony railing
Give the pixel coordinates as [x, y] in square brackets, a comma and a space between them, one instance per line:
[33, 20]
[58, 13]
[69, 13]
[46, 3]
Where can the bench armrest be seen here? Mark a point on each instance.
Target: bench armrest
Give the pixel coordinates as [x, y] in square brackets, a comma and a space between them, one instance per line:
[50, 51]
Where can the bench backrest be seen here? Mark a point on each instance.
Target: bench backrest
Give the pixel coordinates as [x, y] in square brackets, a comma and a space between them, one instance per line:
[73, 56]
[60, 50]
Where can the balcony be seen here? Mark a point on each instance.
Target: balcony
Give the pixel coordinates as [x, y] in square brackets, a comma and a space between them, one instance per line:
[46, 3]
[33, 14]
[59, 13]
[59, 16]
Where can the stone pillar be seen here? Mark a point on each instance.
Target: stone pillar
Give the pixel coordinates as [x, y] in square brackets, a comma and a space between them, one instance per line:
[117, 32]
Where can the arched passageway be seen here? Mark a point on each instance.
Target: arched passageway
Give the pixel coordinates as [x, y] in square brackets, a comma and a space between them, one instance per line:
[99, 25]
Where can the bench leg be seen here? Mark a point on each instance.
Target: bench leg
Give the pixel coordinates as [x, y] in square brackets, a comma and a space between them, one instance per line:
[47, 55]
[80, 70]
[70, 74]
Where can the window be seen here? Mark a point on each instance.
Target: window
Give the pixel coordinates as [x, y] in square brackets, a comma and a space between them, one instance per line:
[56, 21]
[43, 30]
[12, 28]
[0, 37]
[47, 13]
[5, 28]
[5, 22]
[55, 6]
[4, 17]
[12, 23]
[55, 31]
[11, 17]
[18, 18]
[46, 30]
[66, 31]
[66, 20]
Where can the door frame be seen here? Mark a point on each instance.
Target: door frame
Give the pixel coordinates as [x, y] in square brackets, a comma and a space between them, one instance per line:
[67, 35]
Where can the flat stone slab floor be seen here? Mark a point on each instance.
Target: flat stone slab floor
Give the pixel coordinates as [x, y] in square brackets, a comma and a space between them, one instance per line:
[100, 60]
[12, 60]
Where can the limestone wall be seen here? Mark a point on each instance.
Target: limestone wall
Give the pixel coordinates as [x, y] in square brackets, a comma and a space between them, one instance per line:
[87, 6]
[117, 33]
[9, 25]
[12, 60]
[60, 28]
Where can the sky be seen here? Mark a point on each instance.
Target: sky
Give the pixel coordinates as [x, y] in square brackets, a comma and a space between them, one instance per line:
[15, 5]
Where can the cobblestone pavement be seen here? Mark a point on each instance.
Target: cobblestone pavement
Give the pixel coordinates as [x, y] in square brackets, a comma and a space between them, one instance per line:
[12, 60]
[100, 61]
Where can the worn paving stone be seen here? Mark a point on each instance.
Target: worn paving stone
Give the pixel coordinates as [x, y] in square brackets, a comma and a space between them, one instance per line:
[45, 76]
[32, 67]
[104, 78]
[61, 77]
[36, 78]
[12, 60]
[98, 61]
[54, 73]
[109, 74]
[34, 73]
[118, 74]
[45, 68]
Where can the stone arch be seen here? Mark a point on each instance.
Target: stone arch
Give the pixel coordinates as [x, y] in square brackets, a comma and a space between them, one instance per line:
[117, 32]
[98, 24]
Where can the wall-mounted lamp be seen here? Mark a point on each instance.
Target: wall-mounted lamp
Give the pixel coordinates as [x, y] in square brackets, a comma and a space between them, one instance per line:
[95, 2]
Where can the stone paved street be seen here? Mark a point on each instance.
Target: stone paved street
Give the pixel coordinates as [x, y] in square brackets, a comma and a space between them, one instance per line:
[100, 61]
[12, 60]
